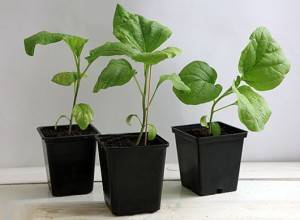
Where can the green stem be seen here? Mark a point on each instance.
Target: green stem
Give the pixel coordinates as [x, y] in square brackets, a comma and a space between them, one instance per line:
[60, 117]
[138, 85]
[77, 62]
[148, 104]
[212, 110]
[226, 106]
[146, 69]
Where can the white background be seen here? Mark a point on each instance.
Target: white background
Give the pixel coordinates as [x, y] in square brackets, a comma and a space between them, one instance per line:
[213, 31]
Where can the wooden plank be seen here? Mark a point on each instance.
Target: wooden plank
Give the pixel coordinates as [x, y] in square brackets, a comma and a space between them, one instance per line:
[267, 200]
[249, 171]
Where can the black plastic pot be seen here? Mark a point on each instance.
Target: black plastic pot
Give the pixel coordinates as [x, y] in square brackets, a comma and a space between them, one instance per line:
[132, 176]
[209, 165]
[69, 161]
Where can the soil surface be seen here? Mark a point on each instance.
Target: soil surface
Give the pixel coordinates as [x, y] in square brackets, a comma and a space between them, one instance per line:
[126, 140]
[62, 131]
[203, 132]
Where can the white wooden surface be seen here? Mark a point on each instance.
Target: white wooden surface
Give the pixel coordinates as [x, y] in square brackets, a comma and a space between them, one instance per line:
[267, 191]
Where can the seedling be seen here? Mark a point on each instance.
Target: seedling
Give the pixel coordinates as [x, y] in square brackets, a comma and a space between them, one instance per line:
[82, 112]
[138, 39]
[262, 67]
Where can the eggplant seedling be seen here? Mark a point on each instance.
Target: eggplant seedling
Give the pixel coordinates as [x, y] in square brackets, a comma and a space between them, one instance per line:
[81, 112]
[138, 39]
[262, 67]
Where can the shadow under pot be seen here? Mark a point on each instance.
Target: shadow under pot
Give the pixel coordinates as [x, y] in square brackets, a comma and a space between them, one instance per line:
[69, 159]
[209, 164]
[132, 176]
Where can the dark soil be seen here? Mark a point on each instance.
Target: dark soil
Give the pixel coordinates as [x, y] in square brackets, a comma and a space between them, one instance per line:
[62, 131]
[204, 132]
[126, 140]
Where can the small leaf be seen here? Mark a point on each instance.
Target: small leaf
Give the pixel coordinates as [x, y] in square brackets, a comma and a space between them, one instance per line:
[176, 81]
[253, 110]
[262, 64]
[152, 132]
[65, 78]
[129, 118]
[157, 56]
[200, 78]
[116, 73]
[203, 121]
[75, 43]
[43, 38]
[215, 129]
[111, 49]
[137, 31]
[83, 115]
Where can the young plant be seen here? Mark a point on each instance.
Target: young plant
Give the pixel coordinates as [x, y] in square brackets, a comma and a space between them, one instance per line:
[262, 67]
[138, 39]
[82, 112]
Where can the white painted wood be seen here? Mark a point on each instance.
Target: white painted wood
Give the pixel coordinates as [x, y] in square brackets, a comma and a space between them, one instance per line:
[254, 200]
[249, 170]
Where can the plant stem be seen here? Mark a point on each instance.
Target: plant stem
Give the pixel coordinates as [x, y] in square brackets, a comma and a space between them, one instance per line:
[77, 62]
[138, 84]
[146, 69]
[212, 110]
[226, 106]
[148, 104]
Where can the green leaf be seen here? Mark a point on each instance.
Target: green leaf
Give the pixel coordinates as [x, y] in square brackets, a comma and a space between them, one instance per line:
[116, 73]
[215, 129]
[176, 81]
[83, 115]
[262, 63]
[44, 38]
[111, 49]
[75, 43]
[157, 56]
[203, 121]
[253, 110]
[129, 118]
[137, 31]
[65, 78]
[152, 132]
[200, 78]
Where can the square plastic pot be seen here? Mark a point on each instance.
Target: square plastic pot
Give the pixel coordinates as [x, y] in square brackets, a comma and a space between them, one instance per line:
[132, 176]
[209, 165]
[70, 162]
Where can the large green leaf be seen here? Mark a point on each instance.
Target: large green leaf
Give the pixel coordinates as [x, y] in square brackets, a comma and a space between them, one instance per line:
[44, 38]
[253, 110]
[116, 73]
[200, 78]
[157, 56]
[262, 63]
[83, 115]
[65, 78]
[137, 31]
[176, 81]
[111, 49]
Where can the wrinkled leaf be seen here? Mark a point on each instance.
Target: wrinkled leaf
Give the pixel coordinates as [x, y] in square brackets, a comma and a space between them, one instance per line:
[151, 132]
[137, 31]
[262, 63]
[65, 78]
[200, 78]
[215, 129]
[111, 49]
[83, 115]
[253, 110]
[116, 73]
[176, 81]
[157, 56]
[129, 118]
[44, 38]
[203, 121]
